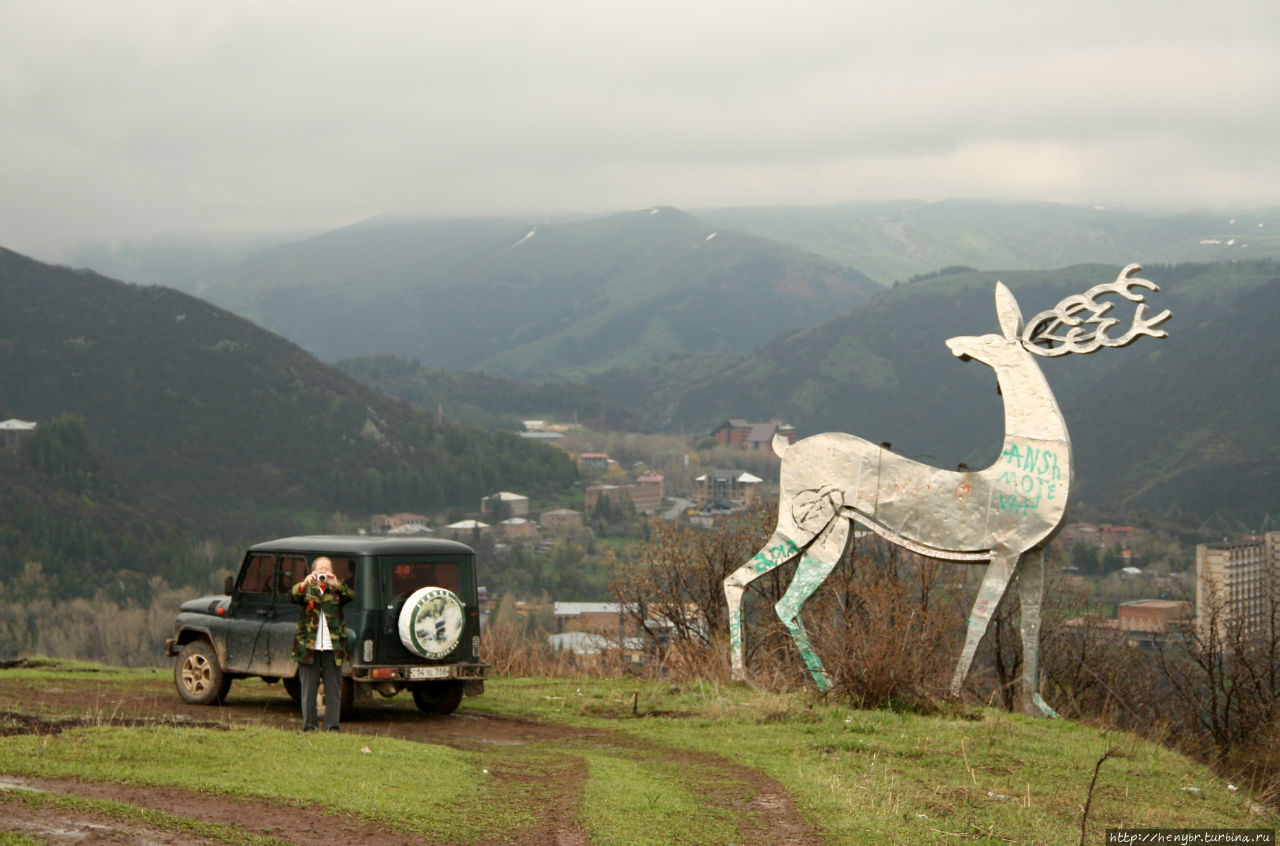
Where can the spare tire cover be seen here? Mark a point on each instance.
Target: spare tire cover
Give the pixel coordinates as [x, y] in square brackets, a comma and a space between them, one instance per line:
[431, 622]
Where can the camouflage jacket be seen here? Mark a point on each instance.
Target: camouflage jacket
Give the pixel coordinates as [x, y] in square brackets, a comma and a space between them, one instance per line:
[315, 602]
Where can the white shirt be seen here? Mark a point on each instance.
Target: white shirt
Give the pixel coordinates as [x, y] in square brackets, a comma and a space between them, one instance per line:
[324, 643]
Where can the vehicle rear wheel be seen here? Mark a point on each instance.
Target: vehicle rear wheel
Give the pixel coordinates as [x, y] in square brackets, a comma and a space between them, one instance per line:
[198, 676]
[441, 698]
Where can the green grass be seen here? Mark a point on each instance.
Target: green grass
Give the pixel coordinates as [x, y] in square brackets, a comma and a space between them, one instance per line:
[908, 778]
[676, 769]
[396, 782]
[625, 789]
[11, 838]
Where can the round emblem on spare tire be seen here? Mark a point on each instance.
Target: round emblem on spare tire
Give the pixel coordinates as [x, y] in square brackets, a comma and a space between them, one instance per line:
[431, 622]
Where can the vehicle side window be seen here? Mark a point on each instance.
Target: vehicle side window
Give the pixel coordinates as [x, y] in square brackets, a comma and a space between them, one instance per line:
[408, 577]
[257, 574]
[292, 569]
[345, 569]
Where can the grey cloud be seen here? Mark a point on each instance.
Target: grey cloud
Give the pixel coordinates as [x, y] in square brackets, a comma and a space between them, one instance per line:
[130, 119]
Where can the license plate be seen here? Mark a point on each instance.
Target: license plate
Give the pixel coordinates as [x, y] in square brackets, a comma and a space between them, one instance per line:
[429, 672]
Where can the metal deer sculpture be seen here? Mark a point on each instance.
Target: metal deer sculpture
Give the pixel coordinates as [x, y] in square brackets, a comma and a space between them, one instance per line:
[1002, 516]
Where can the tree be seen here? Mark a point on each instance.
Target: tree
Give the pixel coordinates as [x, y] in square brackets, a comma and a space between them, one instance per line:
[1226, 670]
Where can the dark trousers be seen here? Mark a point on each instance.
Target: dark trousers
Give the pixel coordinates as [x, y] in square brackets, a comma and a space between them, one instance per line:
[309, 674]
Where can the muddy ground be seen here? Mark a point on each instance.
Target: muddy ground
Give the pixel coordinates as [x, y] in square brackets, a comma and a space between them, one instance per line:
[766, 813]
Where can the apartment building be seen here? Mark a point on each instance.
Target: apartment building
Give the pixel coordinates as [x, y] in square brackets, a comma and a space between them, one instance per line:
[1241, 577]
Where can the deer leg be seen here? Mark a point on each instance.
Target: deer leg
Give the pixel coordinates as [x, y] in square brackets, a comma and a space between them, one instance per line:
[816, 564]
[994, 584]
[1031, 592]
[778, 551]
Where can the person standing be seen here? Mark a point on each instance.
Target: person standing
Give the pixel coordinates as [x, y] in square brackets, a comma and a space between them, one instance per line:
[320, 642]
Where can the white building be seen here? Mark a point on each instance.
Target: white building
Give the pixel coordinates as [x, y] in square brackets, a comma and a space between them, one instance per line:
[1241, 577]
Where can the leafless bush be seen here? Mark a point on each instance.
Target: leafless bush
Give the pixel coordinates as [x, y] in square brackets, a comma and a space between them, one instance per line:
[1092, 673]
[513, 652]
[1225, 672]
[885, 623]
[98, 629]
[675, 599]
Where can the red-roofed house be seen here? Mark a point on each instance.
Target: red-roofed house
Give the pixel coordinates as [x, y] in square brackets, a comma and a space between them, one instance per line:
[739, 432]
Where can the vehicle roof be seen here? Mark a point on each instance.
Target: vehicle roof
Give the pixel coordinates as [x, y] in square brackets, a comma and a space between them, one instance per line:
[363, 545]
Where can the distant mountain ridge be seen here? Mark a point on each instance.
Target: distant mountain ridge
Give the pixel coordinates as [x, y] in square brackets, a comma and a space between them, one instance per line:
[531, 301]
[895, 241]
[564, 298]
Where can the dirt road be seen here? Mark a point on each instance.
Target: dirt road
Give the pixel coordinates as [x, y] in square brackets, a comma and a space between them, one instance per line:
[766, 813]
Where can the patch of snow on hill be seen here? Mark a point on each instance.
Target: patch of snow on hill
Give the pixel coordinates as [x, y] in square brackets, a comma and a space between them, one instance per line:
[532, 232]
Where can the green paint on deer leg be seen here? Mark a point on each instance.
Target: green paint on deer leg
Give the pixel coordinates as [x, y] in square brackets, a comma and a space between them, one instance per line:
[735, 641]
[811, 659]
[774, 556]
[809, 576]
[769, 558]
[1043, 706]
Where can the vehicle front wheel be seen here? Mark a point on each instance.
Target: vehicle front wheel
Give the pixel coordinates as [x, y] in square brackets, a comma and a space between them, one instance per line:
[441, 698]
[198, 676]
[293, 687]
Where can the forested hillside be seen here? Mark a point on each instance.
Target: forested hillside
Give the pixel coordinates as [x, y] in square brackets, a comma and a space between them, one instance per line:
[489, 402]
[70, 528]
[1188, 425]
[240, 432]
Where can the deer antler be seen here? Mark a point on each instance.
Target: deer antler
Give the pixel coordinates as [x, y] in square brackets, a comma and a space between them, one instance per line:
[1079, 323]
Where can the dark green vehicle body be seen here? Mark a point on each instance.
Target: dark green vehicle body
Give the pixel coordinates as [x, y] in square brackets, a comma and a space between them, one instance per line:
[249, 631]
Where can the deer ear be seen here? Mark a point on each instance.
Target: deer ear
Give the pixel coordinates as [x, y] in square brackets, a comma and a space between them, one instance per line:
[1008, 313]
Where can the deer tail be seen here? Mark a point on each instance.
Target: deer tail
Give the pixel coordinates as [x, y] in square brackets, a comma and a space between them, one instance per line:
[780, 444]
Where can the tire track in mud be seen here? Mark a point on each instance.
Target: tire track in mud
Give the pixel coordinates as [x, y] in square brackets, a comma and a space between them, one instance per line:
[766, 813]
[545, 761]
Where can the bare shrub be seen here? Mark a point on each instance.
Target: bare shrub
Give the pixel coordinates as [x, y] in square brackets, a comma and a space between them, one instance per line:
[674, 596]
[885, 622]
[1091, 672]
[1225, 676]
[126, 634]
[514, 652]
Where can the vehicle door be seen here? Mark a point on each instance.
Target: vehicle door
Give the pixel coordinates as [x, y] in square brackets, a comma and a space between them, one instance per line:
[251, 606]
[282, 621]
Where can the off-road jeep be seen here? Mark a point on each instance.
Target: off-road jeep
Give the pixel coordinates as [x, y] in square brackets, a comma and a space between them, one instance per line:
[414, 622]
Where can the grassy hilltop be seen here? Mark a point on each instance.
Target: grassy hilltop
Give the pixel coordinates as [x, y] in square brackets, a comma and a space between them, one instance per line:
[615, 762]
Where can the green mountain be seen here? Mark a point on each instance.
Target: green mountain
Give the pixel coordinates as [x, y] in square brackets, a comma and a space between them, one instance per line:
[559, 298]
[898, 240]
[240, 432]
[1186, 424]
[487, 402]
[68, 527]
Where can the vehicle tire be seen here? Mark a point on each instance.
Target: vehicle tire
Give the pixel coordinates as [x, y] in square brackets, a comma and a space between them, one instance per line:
[431, 621]
[293, 687]
[198, 676]
[346, 698]
[441, 698]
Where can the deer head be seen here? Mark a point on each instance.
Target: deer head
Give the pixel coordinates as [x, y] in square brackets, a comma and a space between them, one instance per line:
[995, 351]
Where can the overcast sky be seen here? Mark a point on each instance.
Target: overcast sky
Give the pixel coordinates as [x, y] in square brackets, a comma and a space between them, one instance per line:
[123, 121]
